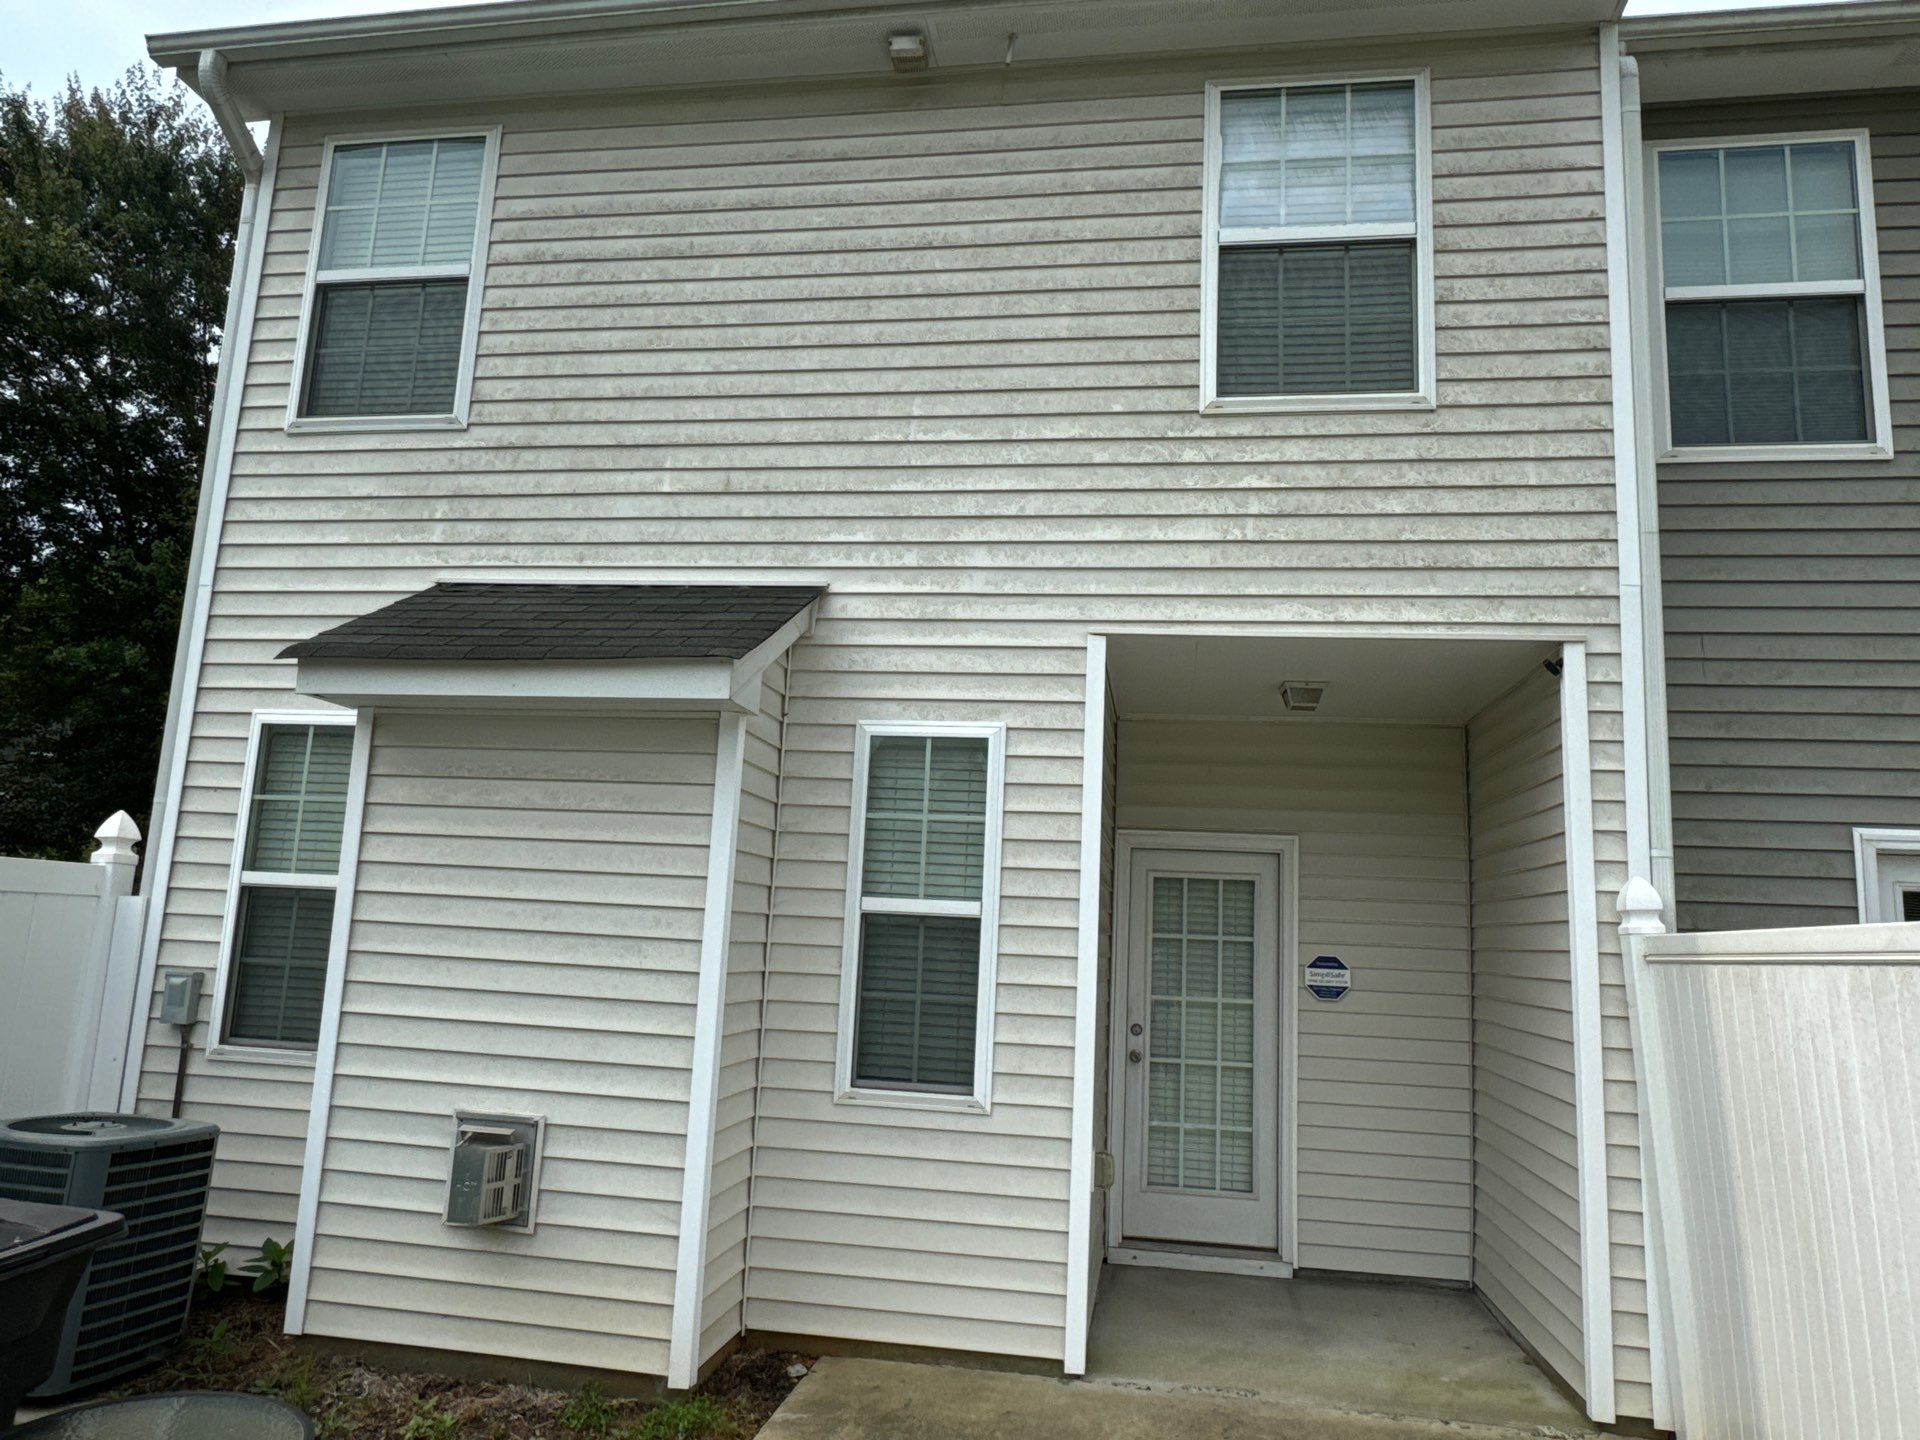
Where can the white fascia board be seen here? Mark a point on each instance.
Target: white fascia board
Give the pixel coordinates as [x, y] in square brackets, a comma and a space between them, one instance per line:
[704, 685]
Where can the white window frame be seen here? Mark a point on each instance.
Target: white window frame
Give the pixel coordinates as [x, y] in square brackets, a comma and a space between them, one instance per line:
[218, 1046]
[473, 270]
[1869, 844]
[1424, 394]
[987, 909]
[1880, 409]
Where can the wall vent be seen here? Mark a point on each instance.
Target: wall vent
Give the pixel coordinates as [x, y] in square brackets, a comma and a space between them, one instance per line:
[492, 1172]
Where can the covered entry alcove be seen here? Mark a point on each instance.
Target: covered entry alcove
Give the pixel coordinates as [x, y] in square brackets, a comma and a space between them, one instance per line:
[1406, 824]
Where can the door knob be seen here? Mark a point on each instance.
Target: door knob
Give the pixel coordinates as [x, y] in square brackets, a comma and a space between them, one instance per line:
[1133, 1056]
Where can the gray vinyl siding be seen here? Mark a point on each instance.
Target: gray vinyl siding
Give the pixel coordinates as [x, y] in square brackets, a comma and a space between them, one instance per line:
[1526, 1251]
[1385, 1102]
[1793, 606]
[723, 1307]
[526, 940]
[937, 345]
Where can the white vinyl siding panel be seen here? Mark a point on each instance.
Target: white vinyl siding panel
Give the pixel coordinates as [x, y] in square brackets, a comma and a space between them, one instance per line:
[492, 971]
[944, 356]
[1526, 1255]
[1793, 609]
[1385, 1075]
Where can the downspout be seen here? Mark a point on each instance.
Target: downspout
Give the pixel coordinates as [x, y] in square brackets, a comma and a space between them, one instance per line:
[1642, 641]
[170, 778]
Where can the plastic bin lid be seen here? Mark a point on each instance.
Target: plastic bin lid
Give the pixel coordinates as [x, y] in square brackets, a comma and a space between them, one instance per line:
[31, 1233]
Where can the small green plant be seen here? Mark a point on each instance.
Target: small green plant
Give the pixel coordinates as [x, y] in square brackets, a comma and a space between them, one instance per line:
[212, 1270]
[207, 1354]
[429, 1422]
[692, 1417]
[274, 1267]
[588, 1413]
[292, 1381]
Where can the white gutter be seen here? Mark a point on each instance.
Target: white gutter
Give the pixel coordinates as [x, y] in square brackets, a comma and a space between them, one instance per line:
[1642, 643]
[249, 253]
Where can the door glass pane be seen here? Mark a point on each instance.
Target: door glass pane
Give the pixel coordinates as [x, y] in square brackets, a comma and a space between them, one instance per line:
[1200, 1044]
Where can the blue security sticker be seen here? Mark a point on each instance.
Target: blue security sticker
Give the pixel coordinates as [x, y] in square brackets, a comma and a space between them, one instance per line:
[1327, 977]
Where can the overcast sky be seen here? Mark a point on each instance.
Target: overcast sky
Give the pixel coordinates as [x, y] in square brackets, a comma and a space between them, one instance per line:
[42, 41]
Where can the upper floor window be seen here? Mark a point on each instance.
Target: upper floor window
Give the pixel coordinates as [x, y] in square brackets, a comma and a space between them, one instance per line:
[1318, 269]
[393, 303]
[1771, 289]
[923, 899]
[283, 893]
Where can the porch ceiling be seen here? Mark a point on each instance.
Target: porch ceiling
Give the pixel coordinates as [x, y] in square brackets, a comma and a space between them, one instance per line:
[1438, 680]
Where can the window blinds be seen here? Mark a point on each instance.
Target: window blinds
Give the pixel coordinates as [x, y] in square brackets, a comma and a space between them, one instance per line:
[924, 847]
[1317, 319]
[281, 966]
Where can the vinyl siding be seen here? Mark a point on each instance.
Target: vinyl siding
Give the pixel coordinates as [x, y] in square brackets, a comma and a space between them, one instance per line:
[1526, 1253]
[1793, 607]
[526, 940]
[722, 1315]
[1386, 1075]
[935, 345]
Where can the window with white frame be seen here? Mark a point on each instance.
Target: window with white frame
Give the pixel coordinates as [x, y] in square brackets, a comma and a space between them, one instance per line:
[1771, 289]
[923, 902]
[281, 929]
[390, 321]
[1318, 262]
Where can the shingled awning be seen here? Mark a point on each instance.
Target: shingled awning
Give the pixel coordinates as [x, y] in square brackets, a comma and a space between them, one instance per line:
[515, 643]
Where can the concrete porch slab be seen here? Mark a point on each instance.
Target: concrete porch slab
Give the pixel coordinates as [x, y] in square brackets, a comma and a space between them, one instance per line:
[846, 1399]
[1337, 1345]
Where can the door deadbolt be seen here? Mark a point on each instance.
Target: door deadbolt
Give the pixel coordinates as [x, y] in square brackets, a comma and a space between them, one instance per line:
[1134, 1029]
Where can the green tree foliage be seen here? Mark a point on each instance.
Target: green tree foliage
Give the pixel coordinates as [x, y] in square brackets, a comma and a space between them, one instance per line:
[117, 210]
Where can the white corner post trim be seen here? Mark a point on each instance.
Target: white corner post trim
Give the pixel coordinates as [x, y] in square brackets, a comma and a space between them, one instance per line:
[1643, 703]
[313, 1162]
[703, 1086]
[1589, 1079]
[236, 342]
[1086, 1012]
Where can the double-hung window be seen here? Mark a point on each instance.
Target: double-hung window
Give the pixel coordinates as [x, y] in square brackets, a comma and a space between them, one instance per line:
[1771, 291]
[923, 900]
[398, 254]
[1318, 272]
[281, 907]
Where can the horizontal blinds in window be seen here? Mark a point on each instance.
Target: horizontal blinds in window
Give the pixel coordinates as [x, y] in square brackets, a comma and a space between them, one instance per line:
[391, 348]
[919, 988]
[1317, 319]
[280, 966]
[406, 202]
[1762, 372]
[1317, 155]
[926, 817]
[300, 799]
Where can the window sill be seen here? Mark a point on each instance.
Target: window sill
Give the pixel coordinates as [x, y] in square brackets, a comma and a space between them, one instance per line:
[913, 1100]
[1772, 454]
[372, 424]
[261, 1055]
[1315, 404]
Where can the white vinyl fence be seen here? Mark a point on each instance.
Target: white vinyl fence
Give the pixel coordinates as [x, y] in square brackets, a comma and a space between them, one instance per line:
[69, 953]
[1781, 1099]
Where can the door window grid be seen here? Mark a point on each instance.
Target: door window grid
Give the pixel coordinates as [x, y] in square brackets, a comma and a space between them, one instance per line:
[1200, 1133]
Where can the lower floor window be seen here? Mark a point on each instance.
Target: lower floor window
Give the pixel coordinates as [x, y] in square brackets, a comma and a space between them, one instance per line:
[919, 992]
[280, 966]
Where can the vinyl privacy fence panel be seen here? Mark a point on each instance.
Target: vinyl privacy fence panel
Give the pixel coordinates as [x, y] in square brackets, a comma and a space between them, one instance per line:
[1783, 1101]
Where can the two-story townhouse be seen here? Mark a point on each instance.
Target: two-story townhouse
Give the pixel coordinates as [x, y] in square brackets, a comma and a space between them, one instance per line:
[1779, 209]
[946, 643]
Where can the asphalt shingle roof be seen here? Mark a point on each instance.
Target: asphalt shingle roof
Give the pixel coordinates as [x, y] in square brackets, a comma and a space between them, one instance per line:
[507, 620]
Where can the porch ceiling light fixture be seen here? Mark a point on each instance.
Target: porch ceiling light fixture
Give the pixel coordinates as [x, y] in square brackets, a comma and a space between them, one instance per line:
[907, 49]
[1302, 696]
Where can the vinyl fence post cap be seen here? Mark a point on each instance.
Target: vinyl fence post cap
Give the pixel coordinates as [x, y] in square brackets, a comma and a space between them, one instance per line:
[117, 838]
[1640, 908]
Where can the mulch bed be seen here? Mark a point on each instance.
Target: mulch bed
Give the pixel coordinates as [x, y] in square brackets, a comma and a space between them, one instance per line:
[234, 1343]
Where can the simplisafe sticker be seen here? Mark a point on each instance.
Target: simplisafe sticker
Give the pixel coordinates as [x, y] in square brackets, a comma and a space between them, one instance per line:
[1327, 977]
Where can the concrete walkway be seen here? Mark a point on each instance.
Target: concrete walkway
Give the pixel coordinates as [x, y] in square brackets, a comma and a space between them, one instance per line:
[1175, 1353]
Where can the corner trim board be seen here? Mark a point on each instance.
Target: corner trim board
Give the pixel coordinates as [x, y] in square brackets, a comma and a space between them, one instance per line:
[696, 1180]
[1086, 1013]
[320, 1106]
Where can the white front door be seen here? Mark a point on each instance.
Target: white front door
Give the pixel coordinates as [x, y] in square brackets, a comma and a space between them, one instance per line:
[1898, 899]
[1201, 1089]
